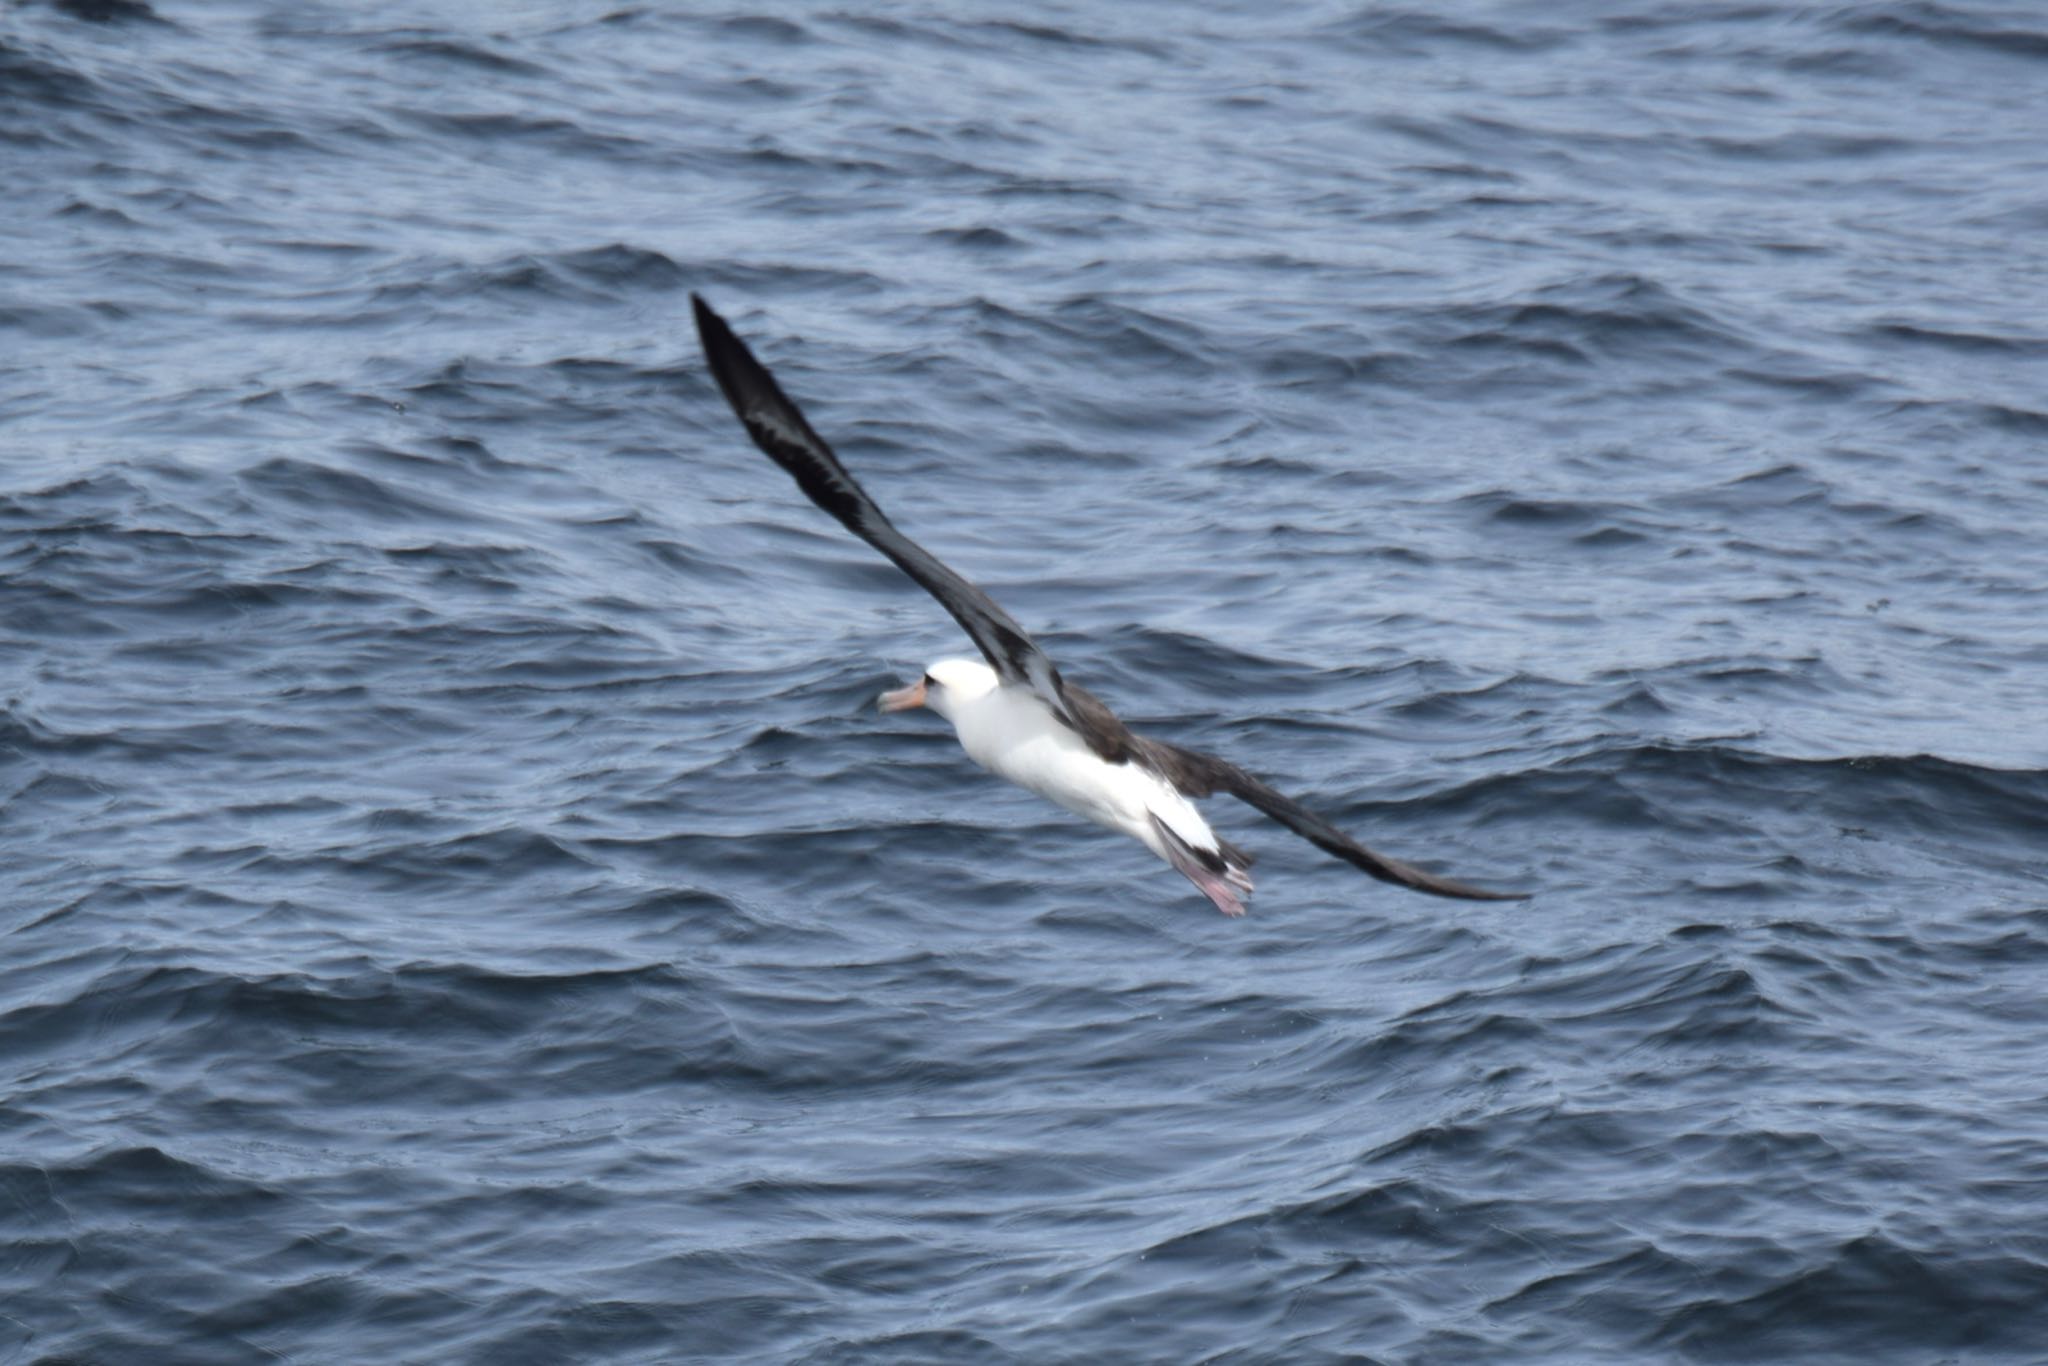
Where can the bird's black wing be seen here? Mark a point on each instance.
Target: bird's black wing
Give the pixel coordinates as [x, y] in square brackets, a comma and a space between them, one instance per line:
[1196, 774]
[779, 429]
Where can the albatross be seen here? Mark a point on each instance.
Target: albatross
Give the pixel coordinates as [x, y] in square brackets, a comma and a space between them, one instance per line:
[1015, 714]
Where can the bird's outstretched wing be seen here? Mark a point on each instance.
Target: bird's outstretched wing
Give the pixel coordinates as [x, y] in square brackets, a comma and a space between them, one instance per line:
[1197, 774]
[779, 429]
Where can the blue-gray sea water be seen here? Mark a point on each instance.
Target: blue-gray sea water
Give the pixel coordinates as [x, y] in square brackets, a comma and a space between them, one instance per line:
[460, 904]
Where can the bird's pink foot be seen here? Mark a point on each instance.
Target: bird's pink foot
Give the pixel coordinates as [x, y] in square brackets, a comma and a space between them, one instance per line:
[1222, 880]
[1222, 893]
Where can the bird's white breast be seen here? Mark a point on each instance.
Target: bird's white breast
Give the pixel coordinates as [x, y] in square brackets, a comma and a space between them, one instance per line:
[1012, 733]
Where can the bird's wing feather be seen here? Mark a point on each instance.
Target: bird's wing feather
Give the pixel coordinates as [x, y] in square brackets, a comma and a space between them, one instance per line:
[1196, 774]
[778, 427]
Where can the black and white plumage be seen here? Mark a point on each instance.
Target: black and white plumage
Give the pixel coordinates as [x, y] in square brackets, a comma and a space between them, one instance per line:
[1015, 715]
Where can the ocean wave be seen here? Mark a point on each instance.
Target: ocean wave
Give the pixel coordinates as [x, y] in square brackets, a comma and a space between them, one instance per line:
[464, 903]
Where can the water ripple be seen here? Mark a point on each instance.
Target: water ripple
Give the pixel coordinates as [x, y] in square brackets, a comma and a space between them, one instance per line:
[464, 903]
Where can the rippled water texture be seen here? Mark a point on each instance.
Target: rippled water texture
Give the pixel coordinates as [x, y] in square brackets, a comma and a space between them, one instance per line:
[460, 904]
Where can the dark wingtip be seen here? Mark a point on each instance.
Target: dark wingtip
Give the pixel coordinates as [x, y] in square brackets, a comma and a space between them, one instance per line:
[1461, 892]
[1408, 875]
[732, 365]
[709, 324]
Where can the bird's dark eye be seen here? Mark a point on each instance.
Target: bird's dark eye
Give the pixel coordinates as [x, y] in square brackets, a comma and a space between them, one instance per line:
[930, 682]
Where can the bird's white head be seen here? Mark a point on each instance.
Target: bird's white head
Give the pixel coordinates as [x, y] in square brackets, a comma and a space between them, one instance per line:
[946, 685]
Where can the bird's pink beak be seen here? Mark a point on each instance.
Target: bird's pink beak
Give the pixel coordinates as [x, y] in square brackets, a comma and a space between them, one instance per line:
[902, 699]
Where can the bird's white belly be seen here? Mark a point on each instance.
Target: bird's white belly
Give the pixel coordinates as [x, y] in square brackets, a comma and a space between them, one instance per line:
[1071, 775]
[1019, 739]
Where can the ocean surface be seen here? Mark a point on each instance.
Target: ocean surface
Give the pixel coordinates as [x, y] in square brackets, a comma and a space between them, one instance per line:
[460, 904]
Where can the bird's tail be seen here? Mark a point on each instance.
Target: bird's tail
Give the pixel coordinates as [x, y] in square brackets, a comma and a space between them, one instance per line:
[1221, 873]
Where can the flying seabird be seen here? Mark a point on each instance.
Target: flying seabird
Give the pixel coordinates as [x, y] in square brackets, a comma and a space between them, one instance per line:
[1015, 715]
